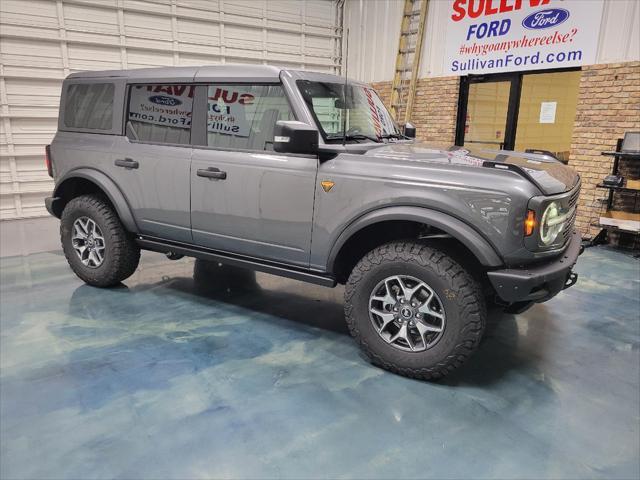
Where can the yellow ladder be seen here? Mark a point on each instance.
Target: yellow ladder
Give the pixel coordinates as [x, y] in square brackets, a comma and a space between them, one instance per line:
[408, 60]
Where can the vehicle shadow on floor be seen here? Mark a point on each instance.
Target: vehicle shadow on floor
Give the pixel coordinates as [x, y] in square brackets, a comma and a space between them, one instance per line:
[322, 308]
[496, 356]
[298, 302]
[266, 294]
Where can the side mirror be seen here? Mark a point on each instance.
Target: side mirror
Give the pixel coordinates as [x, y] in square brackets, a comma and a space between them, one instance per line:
[409, 130]
[295, 137]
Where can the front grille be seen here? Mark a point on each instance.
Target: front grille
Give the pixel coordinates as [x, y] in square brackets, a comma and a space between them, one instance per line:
[573, 199]
[571, 204]
[568, 228]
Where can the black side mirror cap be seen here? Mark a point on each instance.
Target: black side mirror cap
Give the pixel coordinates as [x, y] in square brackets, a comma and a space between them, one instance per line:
[409, 130]
[291, 136]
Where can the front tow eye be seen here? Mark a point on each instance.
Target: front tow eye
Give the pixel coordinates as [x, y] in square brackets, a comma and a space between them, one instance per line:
[571, 280]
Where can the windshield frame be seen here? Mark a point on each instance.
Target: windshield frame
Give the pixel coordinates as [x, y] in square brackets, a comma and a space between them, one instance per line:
[329, 137]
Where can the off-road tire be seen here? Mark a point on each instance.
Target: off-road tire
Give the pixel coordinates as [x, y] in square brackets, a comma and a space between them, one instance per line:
[121, 255]
[459, 291]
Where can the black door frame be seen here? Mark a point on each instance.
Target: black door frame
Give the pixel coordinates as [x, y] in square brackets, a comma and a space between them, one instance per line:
[513, 108]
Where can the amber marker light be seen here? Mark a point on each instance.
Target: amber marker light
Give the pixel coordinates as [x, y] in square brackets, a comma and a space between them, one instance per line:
[529, 223]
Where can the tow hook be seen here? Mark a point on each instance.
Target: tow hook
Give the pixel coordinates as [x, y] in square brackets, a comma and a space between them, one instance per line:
[571, 280]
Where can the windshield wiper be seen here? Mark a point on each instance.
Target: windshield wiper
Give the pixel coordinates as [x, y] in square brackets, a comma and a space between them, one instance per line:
[354, 136]
[394, 135]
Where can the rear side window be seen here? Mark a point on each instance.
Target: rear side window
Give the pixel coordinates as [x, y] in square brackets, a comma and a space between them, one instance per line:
[89, 105]
[245, 116]
[160, 113]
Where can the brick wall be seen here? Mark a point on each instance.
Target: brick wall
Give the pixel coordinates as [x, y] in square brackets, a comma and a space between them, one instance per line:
[384, 91]
[608, 106]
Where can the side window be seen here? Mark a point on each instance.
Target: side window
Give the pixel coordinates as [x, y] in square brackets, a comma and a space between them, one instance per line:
[160, 113]
[89, 105]
[245, 116]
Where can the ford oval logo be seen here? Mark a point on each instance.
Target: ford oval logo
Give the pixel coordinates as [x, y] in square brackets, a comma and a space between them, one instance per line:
[551, 17]
[164, 100]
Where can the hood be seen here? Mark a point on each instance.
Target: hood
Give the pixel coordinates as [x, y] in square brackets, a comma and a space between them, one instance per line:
[548, 174]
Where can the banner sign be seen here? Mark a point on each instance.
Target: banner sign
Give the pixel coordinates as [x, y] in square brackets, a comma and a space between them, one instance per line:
[168, 105]
[227, 111]
[491, 36]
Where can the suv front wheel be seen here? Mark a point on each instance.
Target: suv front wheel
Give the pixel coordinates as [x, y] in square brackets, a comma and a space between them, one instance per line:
[98, 248]
[414, 310]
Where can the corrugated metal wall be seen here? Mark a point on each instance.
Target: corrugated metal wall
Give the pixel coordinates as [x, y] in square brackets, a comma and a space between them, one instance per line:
[374, 29]
[42, 41]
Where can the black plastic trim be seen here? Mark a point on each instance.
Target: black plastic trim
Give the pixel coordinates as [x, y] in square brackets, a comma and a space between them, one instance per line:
[514, 168]
[167, 246]
[484, 251]
[538, 283]
[50, 205]
[110, 189]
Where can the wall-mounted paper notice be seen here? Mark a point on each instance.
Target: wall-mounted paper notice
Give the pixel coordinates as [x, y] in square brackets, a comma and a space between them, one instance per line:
[548, 112]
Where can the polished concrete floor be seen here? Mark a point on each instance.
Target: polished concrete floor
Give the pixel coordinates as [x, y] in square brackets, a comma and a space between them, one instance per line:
[219, 374]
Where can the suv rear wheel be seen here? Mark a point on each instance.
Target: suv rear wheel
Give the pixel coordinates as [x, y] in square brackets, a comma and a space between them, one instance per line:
[414, 310]
[98, 248]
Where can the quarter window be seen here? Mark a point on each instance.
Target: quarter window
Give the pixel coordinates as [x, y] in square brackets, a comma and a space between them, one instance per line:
[245, 116]
[160, 113]
[89, 106]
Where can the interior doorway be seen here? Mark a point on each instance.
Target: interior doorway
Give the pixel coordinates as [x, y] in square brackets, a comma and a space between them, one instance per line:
[525, 111]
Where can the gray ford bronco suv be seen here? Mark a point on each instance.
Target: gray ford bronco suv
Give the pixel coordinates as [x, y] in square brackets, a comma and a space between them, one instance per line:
[307, 176]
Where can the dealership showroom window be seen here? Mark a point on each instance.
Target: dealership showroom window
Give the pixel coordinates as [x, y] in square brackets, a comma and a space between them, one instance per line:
[258, 239]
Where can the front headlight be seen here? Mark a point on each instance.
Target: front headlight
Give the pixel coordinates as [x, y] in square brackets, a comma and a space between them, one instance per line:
[552, 223]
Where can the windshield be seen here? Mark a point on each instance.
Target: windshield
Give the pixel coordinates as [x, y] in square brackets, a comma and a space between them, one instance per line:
[359, 107]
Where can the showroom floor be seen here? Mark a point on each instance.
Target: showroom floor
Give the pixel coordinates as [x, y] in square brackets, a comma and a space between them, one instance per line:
[217, 375]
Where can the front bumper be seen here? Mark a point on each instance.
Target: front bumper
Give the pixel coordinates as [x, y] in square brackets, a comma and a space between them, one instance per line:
[541, 282]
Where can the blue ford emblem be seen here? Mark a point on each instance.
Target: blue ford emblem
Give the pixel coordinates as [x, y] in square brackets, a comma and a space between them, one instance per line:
[551, 17]
[164, 100]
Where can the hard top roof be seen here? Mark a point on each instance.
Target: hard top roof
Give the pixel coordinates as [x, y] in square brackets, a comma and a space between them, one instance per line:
[219, 73]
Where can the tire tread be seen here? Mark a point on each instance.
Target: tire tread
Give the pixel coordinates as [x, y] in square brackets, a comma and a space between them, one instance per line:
[469, 299]
[124, 253]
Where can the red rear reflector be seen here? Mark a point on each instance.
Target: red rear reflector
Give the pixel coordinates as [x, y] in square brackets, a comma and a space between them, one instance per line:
[530, 223]
[47, 160]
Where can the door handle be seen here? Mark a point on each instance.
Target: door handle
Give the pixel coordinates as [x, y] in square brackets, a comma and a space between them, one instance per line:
[212, 172]
[126, 163]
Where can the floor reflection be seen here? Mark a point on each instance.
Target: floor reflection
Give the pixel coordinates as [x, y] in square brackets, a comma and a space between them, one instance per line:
[191, 369]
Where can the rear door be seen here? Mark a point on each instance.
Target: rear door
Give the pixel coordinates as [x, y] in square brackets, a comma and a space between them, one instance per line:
[151, 164]
[246, 198]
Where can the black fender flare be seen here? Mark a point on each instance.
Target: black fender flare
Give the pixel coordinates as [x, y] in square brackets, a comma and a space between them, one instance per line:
[484, 252]
[110, 189]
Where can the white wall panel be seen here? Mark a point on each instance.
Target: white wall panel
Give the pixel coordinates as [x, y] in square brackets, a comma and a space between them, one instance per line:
[620, 32]
[42, 41]
[374, 29]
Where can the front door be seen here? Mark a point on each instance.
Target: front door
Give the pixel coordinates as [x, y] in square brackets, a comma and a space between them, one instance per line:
[151, 164]
[245, 198]
[488, 118]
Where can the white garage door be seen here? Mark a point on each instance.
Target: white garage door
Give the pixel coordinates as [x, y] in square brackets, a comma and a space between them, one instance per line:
[42, 41]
